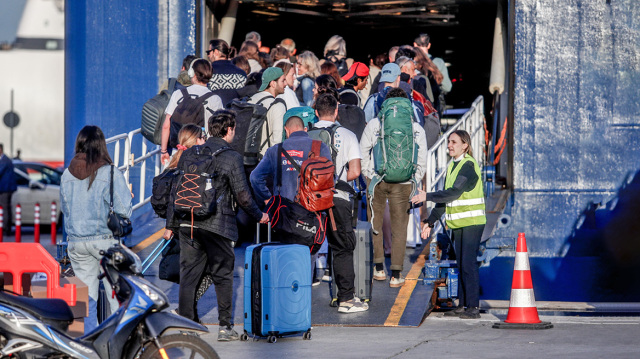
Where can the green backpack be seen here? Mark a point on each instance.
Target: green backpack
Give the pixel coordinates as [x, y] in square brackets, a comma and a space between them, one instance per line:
[395, 152]
[325, 134]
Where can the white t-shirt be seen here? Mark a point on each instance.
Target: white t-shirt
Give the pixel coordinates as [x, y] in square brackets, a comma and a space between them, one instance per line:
[348, 148]
[290, 98]
[211, 105]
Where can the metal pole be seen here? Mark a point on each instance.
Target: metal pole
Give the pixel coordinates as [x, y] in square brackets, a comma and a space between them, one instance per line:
[11, 134]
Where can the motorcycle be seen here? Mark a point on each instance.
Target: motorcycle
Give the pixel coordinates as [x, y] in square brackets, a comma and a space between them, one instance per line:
[141, 328]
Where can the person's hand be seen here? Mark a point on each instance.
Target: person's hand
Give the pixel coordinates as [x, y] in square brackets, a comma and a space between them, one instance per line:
[265, 218]
[426, 231]
[420, 197]
[164, 158]
[167, 234]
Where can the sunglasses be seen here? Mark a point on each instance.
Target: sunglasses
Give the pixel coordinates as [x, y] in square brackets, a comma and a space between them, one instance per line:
[208, 51]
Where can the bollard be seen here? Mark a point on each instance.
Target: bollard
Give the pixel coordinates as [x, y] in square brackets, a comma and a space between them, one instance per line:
[36, 223]
[18, 223]
[1, 223]
[53, 222]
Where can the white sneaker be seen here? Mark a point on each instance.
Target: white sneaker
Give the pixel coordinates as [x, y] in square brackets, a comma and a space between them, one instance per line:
[379, 274]
[396, 282]
[354, 305]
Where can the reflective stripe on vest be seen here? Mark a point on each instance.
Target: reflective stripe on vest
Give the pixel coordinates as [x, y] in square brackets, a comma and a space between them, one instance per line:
[468, 210]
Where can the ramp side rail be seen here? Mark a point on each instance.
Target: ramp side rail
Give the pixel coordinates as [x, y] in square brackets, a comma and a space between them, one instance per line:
[127, 159]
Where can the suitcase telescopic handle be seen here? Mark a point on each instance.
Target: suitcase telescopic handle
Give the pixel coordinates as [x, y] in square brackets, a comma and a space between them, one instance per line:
[258, 232]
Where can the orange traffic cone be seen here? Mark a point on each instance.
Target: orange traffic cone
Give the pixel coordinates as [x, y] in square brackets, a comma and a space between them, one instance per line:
[523, 313]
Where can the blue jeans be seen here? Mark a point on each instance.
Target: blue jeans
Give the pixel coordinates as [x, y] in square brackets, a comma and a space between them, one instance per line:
[85, 261]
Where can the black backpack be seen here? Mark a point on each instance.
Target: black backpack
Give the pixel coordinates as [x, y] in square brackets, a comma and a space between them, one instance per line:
[189, 111]
[195, 191]
[153, 112]
[352, 118]
[161, 192]
[249, 121]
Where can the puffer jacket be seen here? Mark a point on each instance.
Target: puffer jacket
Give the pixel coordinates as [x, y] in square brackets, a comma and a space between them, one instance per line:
[230, 182]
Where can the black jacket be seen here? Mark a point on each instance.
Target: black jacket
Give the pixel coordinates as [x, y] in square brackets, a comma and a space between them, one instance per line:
[231, 182]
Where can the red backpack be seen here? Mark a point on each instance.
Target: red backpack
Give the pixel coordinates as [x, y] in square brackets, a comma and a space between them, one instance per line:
[317, 185]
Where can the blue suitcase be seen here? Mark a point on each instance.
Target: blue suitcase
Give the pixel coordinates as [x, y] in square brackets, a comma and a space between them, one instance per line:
[277, 291]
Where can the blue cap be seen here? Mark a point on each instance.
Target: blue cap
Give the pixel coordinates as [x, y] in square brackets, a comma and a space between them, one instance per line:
[390, 72]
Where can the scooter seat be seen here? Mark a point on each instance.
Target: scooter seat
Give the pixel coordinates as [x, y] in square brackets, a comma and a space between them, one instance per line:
[45, 309]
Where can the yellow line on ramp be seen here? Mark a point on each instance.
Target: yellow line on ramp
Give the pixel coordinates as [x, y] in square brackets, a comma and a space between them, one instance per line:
[147, 242]
[406, 290]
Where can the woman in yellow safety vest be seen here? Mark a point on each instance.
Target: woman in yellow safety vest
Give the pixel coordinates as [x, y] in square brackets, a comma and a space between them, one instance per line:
[462, 200]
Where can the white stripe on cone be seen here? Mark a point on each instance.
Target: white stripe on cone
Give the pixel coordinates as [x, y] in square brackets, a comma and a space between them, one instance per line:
[522, 261]
[522, 298]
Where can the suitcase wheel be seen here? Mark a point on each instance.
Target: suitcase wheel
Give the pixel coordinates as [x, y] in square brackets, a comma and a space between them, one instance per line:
[244, 337]
[307, 335]
[272, 339]
[334, 303]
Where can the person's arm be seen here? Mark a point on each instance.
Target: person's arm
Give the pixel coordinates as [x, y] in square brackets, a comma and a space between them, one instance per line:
[276, 125]
[307, 90]
[166, 130]
[366, 144]
[421, 139]
[260, 174]
[369, 108]
[436, 213]
[446, 84]
[240, 189]
[354, 169]
[466, 180]
[121, 194]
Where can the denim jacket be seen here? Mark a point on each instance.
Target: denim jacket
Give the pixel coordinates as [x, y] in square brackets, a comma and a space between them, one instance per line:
[86, 209]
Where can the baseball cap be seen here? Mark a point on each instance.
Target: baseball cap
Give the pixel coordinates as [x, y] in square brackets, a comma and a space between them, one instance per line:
[357, 69]
[306, 114]
[270, 74]
[390, 72]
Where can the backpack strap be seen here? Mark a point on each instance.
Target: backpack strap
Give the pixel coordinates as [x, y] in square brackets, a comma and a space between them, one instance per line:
[172, 84]
[315, 148]
[260, 101]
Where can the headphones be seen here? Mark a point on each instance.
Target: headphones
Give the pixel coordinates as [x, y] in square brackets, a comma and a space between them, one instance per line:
[191, 72]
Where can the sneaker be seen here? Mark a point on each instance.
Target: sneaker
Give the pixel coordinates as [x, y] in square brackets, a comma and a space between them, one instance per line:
[470, 313]
[354, 305]
[227, 334]
[316, 282]
[395, 283]
[379, 274]
[454, 313]
[327, 276]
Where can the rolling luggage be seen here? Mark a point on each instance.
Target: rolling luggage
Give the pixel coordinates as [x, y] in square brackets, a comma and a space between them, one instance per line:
[277, 290]
[362, 265]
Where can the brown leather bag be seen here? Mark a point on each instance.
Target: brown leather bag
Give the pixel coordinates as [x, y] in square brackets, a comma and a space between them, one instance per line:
[317, 185]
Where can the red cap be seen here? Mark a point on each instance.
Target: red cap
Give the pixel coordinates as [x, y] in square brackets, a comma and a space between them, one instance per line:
[357, 69]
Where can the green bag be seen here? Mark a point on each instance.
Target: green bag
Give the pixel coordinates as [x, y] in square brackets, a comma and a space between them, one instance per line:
[395, 152]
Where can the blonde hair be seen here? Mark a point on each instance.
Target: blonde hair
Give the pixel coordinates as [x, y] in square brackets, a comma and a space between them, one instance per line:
[337, 44]
[188, 136]
[465, 138]
[310, 62]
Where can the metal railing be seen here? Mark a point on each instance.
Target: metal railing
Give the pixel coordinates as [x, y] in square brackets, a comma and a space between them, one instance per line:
[127, 160]
[438, 155]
